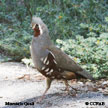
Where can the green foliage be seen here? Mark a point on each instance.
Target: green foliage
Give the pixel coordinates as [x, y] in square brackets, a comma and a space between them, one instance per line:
[15, 42]
[91, 53]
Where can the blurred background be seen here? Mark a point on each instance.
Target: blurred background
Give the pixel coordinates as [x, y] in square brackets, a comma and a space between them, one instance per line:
[78, 27]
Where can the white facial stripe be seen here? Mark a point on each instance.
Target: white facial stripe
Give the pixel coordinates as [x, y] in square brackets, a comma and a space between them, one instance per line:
[33, 26]
[41, 31]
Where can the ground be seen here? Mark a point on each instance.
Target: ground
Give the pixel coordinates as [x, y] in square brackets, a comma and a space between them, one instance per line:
[19, 83]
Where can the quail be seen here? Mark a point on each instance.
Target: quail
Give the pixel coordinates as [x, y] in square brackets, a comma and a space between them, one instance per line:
[50, 60]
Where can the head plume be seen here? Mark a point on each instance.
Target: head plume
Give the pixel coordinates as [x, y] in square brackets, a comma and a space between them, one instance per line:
[37, 20]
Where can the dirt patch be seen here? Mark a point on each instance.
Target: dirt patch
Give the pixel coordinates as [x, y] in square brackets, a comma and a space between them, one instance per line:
[22, 84]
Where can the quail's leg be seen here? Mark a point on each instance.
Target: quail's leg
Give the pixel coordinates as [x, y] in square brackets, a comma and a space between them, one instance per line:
[67, 88]
[67, 85]
[48, 81]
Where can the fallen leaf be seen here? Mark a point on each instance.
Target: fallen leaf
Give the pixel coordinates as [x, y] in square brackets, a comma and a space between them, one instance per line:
[81, 83]
[6, 77]
[105, 83]
[39, 77]
[26, 76]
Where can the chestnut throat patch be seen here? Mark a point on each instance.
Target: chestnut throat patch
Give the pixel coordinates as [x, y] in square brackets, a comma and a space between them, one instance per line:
[36, 32]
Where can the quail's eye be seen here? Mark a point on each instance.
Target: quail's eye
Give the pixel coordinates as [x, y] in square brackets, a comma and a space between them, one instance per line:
[36, 26]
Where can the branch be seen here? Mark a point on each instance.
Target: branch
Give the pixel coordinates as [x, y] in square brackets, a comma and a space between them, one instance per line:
[28, 7]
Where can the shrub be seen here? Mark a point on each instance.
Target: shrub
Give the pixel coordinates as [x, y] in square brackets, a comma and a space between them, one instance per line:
[91, 53]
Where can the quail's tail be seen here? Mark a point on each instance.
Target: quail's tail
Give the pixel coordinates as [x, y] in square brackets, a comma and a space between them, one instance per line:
[85, 74]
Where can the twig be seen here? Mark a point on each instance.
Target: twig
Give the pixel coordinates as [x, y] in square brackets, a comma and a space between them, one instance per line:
[28, 7]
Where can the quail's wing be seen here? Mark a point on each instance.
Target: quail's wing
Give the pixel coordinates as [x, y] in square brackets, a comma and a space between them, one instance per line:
[65, 62]
[50, 68]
